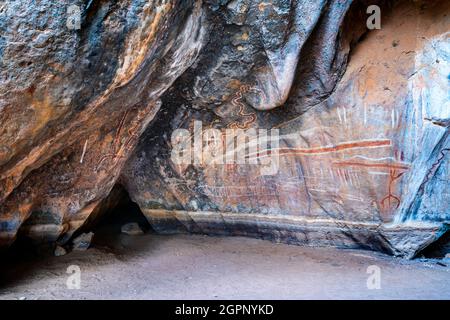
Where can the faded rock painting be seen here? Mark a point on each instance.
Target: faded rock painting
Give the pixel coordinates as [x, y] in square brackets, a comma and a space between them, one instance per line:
[300, 124]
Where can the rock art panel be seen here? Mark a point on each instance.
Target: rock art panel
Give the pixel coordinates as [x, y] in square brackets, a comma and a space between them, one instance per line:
[358, 161]
[289, 120]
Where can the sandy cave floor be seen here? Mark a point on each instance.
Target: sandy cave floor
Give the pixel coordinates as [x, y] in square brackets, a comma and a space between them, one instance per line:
[151, 266]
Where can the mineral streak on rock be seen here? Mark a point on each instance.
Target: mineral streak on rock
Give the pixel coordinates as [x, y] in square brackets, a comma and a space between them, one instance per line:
[99, 84]
[362, 116]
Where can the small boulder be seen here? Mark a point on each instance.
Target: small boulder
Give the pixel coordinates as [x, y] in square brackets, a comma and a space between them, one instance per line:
[83, 241]
[132, 229]
[59, 251]
[446, 258]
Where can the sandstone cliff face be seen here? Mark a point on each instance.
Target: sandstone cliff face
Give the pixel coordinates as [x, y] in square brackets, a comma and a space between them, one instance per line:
[357, 121]
[74, 102]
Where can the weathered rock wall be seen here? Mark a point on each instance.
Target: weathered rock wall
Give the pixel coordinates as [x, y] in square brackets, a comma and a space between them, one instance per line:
[361, 160]
[75, 102]
[362, 117]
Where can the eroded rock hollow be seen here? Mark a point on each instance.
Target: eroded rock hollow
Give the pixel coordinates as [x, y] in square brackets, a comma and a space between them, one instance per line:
[345, 129]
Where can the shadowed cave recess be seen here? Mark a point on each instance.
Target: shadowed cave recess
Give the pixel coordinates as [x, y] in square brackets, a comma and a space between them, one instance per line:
[87, 121]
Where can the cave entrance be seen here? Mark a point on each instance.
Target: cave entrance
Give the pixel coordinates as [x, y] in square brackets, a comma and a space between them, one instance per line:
[115, 214]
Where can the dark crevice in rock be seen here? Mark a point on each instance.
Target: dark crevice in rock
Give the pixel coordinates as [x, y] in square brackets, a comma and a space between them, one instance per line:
[125, 211]
[116, 209]
[438, 249]
[91, 8]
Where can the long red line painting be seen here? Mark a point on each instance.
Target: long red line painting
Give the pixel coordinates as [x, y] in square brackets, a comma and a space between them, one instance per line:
[373, 164]
[336, 148]
[396, 169]
[325, 149]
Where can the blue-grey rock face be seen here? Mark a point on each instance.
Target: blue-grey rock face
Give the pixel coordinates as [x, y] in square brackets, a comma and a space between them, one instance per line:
[427, 135]
[357, 119]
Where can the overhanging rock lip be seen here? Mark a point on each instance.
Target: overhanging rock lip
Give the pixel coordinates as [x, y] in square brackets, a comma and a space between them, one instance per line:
[409, 238]
[399, 239]
[258, 216]
[299, 230]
